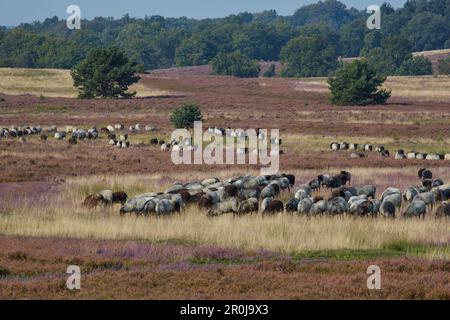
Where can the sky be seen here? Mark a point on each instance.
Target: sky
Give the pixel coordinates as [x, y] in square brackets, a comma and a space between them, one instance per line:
[14, 12]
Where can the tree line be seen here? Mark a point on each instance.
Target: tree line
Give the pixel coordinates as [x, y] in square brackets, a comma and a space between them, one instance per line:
[308, 43]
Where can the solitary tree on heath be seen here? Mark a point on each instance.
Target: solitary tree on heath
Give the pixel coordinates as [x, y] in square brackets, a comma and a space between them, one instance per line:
[357, 83]
[105, 73]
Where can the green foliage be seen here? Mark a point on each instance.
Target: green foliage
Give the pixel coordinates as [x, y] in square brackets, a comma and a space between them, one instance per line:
[185, 116]
[417, 66]
[357, 83]
[444, 66]
[157, 42]
[394, 57]
[313, 54]
[235, 64]
[105, 73]
[270, 72]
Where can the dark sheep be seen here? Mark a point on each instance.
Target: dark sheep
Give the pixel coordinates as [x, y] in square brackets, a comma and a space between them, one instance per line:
[104, 130]
[231, 190]
[205, 202]
[425, 173]
[443, 211]
[385, 153]
[120, 197]
[112, 136]
[72, 141]
[248, 206]
[292, 205]
[44, 137]
[161, 142]
[154, 141]
[274, 206]
[291, 178]
[317, 199]
[387, 209]
[314, 184]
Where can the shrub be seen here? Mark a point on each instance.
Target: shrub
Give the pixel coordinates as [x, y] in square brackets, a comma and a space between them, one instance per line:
[444, 66]
[357, 83]
[418, 66]
[185, 116]
[235, 64]
[270, 72]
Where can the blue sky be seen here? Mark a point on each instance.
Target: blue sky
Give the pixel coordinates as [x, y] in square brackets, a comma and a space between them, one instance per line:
[13, 12]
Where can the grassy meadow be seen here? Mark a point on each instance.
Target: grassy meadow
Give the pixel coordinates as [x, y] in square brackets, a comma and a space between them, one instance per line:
[61, 215]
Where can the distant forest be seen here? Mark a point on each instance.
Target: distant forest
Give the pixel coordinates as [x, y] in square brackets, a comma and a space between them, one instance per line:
[158, 42]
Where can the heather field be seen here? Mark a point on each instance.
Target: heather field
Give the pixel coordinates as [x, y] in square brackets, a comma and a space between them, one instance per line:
[44, 228]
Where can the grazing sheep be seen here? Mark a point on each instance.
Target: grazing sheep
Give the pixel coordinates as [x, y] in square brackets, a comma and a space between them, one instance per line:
[385, 153]
[427, 197]
[119, 126]
[245, 194]
[421, 156]
[107, 196]
[72, 141]
[228, 206]
[60, 135]
[269, 191]
[380, 148]
[265, 203]
[353, 146]
[344, 146]
[337, 206]
[275, 206]
[304, 206]
[154, 141]
[361, 208]
[425, 173]
[416, 208]
[447, 156]
[411, 155]
[354, 199]
[400, 155]
[356, 155]
[335, 146]
[314, 184]
[368, 190]
[248, 206]
[119, 197]
[433, 157]
[165, 207]
[410, 193]
[368, 147]
[44, 137]
[292, 205]
[301, 194]
[319, 207]
[387, 209]
[92, 201]
[210, 181]
[437, 183]
[323, 179]
[443, 211]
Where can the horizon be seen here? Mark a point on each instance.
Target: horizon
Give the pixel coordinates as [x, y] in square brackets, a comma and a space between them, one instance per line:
[12, 14]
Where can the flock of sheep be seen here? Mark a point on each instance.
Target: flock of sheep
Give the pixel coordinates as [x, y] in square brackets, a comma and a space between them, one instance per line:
[399, 155]
[253, 194]
[75, 134]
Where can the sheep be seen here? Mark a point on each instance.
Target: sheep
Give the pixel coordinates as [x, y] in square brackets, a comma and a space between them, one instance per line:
[123, 137]
[447, 156]
[343, 146]
[437, 182]
[265, 203]
[380, 148]
[356, 155]
[119, 197]
[433, 157]
[387, 209]
[376, 204]
[301, 194]
[119, 126]
[245, 194]
[427, 197]
[107, 195]
[92, 201]
[361, 208]
[337, 206]
[314, 184]
[248, 206]
[385, 153]
[410, 193]
[417, 208]
[165, 147]
[400, 155]
[60, 135]
[44, 137]
[411, 155]
[443, 211]
[210, 181]
[110, 128]
[425, 173]
[392, 195]
[368, 147]
[72, 141]
[334, 146]
[354, 199]
[165, 207]
[228, 206]
[304, 206]
[292, 205]
[275, 206]
[368, 190]
[269, 191]
[154, 141]
[353, 146]
[318, 207]
[323, 179]
[421, 156]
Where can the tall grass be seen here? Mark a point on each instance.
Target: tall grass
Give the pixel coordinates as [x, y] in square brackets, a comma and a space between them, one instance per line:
[63, 216]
